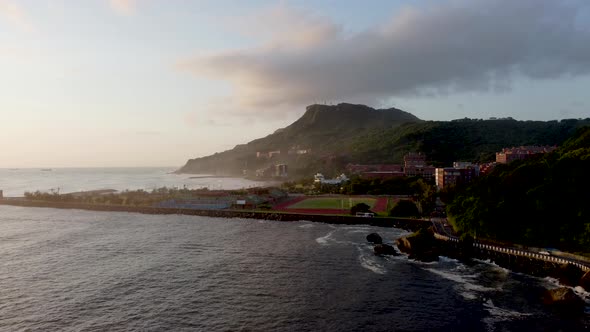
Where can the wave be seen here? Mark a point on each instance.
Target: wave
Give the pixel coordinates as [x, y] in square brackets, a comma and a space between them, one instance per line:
[306, 226]
[467, 284]
[370, 262]
[355, 231]
[550, 283]
[359, 227]
[324, 239]
[494, 265]
[498, 315]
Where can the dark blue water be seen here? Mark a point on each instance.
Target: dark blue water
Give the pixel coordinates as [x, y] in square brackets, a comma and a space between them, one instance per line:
[85, 271]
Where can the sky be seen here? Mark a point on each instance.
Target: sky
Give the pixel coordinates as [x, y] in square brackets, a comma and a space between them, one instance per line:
[125, 83]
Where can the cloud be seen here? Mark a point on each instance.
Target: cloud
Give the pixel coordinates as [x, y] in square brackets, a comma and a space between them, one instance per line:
[124, 7]
[15, 15]
[282, 26]
[444, 47]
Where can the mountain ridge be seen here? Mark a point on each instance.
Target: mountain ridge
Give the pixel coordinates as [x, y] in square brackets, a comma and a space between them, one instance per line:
[319, 129]
[327, 137]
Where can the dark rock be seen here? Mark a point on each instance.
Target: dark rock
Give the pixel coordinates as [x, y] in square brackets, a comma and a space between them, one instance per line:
[374, 238]
[421, 245]
[384, 249]
[569, 275]
[564, 300]
[585, 281]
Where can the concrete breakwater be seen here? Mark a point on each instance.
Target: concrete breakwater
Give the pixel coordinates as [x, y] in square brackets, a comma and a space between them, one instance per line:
[409, 224]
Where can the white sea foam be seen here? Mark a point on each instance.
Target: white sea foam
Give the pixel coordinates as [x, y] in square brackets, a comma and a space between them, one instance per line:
[359, 227]
[370, 262]
[466, 283]
[444, 259]
[550, 283]
[306, 226]
[496, 266]
[498, 314]
[582, 293]
[325, 239]
[353, 231]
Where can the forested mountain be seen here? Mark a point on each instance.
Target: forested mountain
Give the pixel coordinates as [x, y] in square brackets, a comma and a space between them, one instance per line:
[541, 201]
[324, 133]
[333, 136]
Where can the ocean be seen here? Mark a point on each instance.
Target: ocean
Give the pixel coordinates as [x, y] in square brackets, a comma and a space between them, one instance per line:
[14, 182]
[73, 270]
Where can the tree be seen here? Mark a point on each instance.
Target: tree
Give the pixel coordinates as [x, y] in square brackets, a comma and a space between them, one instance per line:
[360, 207]
[540, 201]
[404, 208]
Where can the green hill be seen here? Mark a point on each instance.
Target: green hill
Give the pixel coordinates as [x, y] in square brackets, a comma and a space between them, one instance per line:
[347, 133]
[326, 132]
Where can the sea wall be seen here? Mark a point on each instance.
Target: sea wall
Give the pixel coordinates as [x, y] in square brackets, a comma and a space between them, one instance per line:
[517, 260]
[409, 224]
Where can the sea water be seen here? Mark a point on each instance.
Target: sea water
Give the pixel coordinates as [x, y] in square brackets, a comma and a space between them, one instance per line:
[14, 182]
[78, 270]
[85, 271]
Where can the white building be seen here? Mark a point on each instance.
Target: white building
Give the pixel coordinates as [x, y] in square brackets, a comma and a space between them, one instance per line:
[319, 178]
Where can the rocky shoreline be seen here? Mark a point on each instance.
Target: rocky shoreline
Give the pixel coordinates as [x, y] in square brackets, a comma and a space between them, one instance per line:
[424, 246]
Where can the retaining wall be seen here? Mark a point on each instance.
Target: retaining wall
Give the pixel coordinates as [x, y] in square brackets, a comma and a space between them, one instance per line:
[515, 259]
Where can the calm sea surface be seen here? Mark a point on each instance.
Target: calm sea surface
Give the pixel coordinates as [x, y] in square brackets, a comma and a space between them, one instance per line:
[14, 182]
[71, 270]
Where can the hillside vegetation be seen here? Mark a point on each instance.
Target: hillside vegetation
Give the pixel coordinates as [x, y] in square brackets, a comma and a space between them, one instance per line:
[328, 131]
[348, 133]
[541, 201]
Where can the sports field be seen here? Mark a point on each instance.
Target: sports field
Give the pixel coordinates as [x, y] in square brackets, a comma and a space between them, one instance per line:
[340, 203]
[331, 204]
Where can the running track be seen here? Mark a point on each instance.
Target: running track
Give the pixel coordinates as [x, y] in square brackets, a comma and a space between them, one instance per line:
[380, 206]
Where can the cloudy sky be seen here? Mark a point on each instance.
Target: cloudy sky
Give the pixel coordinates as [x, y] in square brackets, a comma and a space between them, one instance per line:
[155, 82]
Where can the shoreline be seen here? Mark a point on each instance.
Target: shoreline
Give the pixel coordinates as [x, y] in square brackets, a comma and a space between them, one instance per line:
[403, 223]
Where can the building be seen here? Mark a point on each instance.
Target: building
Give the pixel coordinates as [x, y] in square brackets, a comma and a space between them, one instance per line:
[281, 170]
[467, 164]
[486, 168]
[522, 152]
[451, 176]
[268, 155]
[264, 172]
[414, 159]
[298, 150]
[274, 153]
[359, 168]
[383, 175]
[278, 170]
[320, 179]
[415, 165]
[425, 171]
[377, 171]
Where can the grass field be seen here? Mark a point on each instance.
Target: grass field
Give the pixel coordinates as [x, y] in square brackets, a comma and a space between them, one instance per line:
[332, 203]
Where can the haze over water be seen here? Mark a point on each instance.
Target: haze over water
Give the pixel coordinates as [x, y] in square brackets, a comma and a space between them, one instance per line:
[14, 182]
